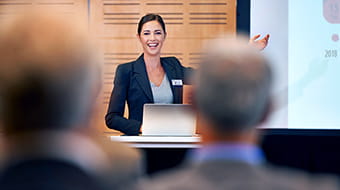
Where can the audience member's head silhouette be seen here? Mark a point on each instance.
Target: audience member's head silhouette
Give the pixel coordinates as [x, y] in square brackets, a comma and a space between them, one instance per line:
[47, 72]
[232, 87]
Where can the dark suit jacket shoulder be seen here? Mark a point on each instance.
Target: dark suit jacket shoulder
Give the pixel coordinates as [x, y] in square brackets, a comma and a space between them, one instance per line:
[238, 175]
[131, 85]
[47, 174]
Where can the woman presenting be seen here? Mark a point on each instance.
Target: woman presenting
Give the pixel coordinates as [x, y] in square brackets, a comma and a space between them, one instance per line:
[149, 79]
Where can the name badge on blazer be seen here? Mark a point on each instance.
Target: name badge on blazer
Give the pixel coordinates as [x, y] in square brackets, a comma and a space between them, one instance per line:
[177, 82]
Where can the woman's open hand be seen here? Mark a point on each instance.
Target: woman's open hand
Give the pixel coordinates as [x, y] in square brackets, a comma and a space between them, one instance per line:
[259, 43]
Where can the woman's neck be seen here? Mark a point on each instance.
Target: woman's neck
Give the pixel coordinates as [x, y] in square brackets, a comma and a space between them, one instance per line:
[152, 61]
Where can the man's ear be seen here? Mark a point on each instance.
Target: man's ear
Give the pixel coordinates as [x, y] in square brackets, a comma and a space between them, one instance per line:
[266, 112]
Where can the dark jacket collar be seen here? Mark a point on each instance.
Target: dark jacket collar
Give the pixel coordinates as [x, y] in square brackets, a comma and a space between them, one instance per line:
[171, 74]
[142, 77]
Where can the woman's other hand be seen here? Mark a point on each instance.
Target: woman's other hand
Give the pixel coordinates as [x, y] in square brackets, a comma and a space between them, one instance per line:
[259, 43]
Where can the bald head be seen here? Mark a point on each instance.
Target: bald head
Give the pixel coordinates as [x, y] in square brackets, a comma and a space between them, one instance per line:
[47, 71]
[233, 85]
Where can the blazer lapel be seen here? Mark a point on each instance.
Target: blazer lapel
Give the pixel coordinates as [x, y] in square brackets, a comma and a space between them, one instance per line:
[142, 77]
[172, 75]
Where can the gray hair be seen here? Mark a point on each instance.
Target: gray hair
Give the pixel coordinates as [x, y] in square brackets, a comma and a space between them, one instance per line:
[233, 85]
[47, 73]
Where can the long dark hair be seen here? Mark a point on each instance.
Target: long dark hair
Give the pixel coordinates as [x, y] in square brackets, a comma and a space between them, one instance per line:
[150, 17]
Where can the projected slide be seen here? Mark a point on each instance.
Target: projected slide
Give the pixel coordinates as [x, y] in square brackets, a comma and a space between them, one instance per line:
[304, 49]
[314, 64]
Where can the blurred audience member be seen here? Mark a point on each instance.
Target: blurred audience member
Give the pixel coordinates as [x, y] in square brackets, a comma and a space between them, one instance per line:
[232, 97]
[49, 76]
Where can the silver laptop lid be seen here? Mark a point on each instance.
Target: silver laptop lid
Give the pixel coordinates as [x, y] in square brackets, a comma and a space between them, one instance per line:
[168, 120]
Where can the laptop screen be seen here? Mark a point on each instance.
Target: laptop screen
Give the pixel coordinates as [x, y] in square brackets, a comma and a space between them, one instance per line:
[168, 120]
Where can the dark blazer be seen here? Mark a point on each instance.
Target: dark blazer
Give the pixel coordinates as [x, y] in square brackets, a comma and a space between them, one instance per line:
[131, 85]
[47, 174]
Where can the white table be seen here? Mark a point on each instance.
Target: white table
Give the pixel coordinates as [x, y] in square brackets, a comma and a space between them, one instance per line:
[159, 142]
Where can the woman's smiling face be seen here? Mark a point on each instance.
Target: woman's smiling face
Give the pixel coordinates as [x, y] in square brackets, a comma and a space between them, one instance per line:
[152, 37]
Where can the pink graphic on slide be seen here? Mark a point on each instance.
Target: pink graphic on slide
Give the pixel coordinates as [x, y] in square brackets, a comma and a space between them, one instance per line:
[335, 37]
[331, 11]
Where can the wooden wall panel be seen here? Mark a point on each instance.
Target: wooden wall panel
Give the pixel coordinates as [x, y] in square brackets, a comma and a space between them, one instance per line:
[67, 7]
[189, 23]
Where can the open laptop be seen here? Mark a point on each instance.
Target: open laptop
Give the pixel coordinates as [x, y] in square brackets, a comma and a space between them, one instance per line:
[168, 120]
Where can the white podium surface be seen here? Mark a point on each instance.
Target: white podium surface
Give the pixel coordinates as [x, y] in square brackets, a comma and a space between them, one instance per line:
[159, 141]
